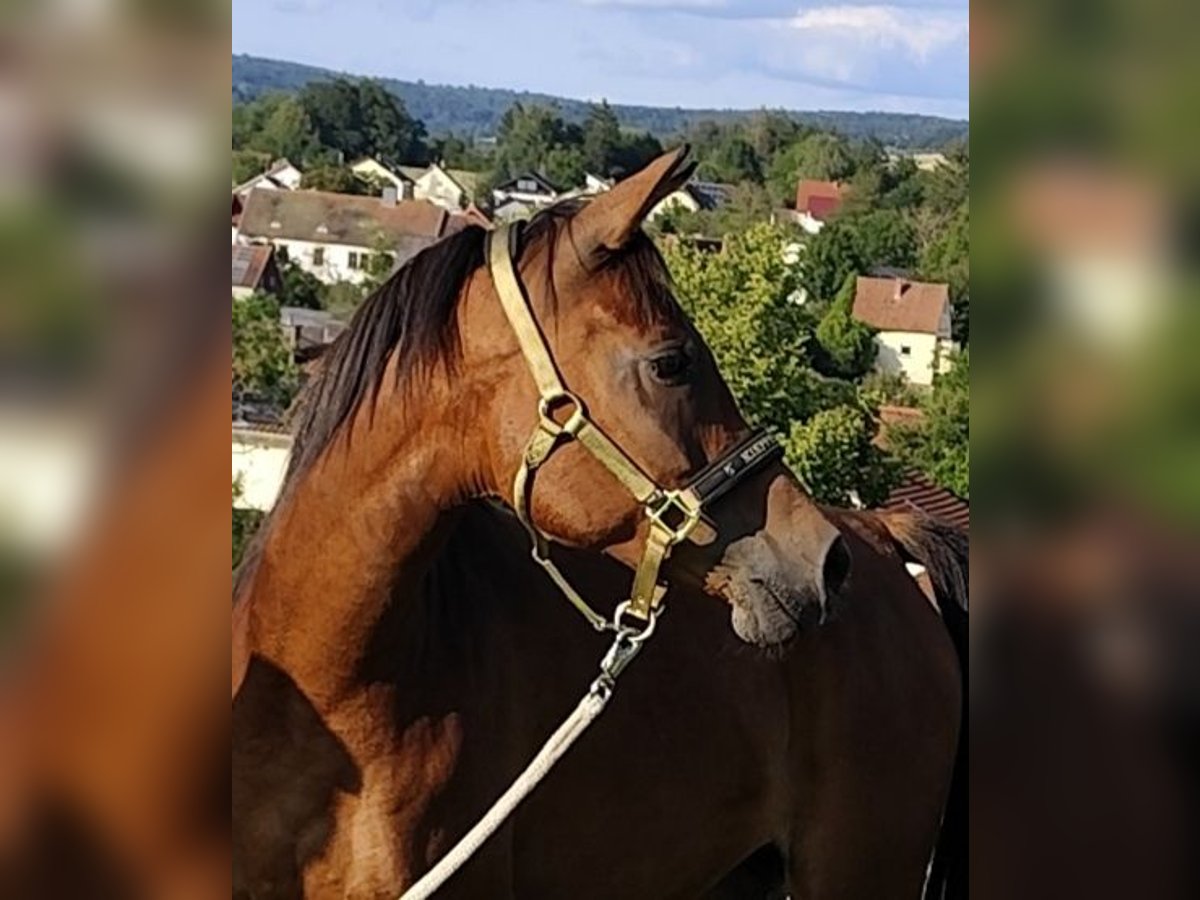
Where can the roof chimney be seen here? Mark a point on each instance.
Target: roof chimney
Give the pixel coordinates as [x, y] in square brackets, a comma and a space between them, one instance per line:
[389, 195]
[901, 287]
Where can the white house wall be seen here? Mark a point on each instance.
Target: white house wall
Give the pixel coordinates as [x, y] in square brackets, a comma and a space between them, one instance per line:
[336, 265]
[290, 177]
[259, 461]
[917, 365]
[677, 200]
[370, 169]
[438, 188]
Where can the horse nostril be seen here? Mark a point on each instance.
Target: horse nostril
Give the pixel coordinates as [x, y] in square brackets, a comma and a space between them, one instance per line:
[836, 567]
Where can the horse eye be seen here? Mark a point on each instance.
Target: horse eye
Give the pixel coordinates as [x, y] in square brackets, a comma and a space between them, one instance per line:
[672, 368]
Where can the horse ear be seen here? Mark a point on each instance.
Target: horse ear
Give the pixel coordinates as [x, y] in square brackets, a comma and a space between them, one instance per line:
[609, 221]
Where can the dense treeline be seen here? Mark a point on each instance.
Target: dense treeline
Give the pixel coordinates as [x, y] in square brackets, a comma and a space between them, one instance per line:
[477, 111]
[325, 126]
[328, 125]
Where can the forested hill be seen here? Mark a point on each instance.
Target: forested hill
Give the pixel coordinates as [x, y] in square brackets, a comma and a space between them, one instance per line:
[476, 111]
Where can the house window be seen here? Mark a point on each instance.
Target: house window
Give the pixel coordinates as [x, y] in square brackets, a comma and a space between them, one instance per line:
[905, 350]
[527, 186]
[318, 256]
[355, 261]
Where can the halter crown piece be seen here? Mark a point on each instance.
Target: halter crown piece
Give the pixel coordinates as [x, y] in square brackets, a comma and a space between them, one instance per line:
[673, 514]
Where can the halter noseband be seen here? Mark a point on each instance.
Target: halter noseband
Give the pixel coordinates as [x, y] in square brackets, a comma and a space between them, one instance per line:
[673, 514]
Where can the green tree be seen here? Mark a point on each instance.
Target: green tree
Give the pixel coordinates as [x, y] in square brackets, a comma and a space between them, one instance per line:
[819, 156]
[746, 205]
[946, 188]
[854, 244]
[885, 238]
[299, 288]
[564, 166]
[247, 164]
[248, 118]
[601, 139]
[847, 346]
[771, 132]
[948, 259]
[902, 187]
[457, 153]
[741, 301]
[338, 179]
[731, 160]
[888, 388]
[525, 138]
[939, 445]
[245, 524]
[287, 131]
[359, 118]
[263, 366]
[835, 455]
[832, 255]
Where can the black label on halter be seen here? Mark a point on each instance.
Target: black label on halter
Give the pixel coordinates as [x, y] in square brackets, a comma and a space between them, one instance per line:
[726, 473]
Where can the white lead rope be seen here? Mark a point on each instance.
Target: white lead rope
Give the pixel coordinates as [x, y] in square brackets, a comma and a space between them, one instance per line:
[623, 650]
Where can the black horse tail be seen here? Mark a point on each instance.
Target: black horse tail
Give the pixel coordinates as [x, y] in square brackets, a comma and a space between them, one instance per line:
[943, 550]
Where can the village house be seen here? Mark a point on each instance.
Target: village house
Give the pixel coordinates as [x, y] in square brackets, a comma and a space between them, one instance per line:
[255, 269]
[816, 203]
[695, 196]
[308, 331]
[373, 171]
[439, 185]
[335, 236]
[520, 197]
[260, 460]
[282, 176]
[451, 189]
[913, 323]
[592, 185]
[916, 493]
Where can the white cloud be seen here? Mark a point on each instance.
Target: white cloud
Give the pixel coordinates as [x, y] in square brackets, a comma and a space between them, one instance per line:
[918, 32]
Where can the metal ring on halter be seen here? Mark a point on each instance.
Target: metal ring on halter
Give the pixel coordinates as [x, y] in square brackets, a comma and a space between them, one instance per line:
[622, 652]
[576, 420]
[636, 635]
[685, 511]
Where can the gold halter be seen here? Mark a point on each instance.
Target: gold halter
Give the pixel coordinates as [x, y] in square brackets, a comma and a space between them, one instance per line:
[673, 514]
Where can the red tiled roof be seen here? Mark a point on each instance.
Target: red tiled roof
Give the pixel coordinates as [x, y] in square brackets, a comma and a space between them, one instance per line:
[917, 492]
[473, 215]
[820, 199]
[823, 208]
[896, 304]
[249, 263]
[891, 414]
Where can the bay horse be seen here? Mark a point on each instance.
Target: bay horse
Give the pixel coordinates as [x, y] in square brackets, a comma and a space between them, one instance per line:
[822, 771]
[420, 409]
[425, 404]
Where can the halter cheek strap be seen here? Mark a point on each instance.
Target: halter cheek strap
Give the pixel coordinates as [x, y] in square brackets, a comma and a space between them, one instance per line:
[673, 514]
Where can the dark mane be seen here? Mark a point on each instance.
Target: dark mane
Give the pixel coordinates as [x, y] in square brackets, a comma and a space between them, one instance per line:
[412, 316]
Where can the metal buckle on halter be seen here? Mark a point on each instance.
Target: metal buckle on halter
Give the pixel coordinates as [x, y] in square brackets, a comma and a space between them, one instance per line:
[675, 512]
[547, 405]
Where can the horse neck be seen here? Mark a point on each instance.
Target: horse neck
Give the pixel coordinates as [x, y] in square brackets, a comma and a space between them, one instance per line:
[356, 531]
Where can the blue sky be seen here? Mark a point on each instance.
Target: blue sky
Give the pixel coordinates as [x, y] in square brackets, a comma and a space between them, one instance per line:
[907, 55]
